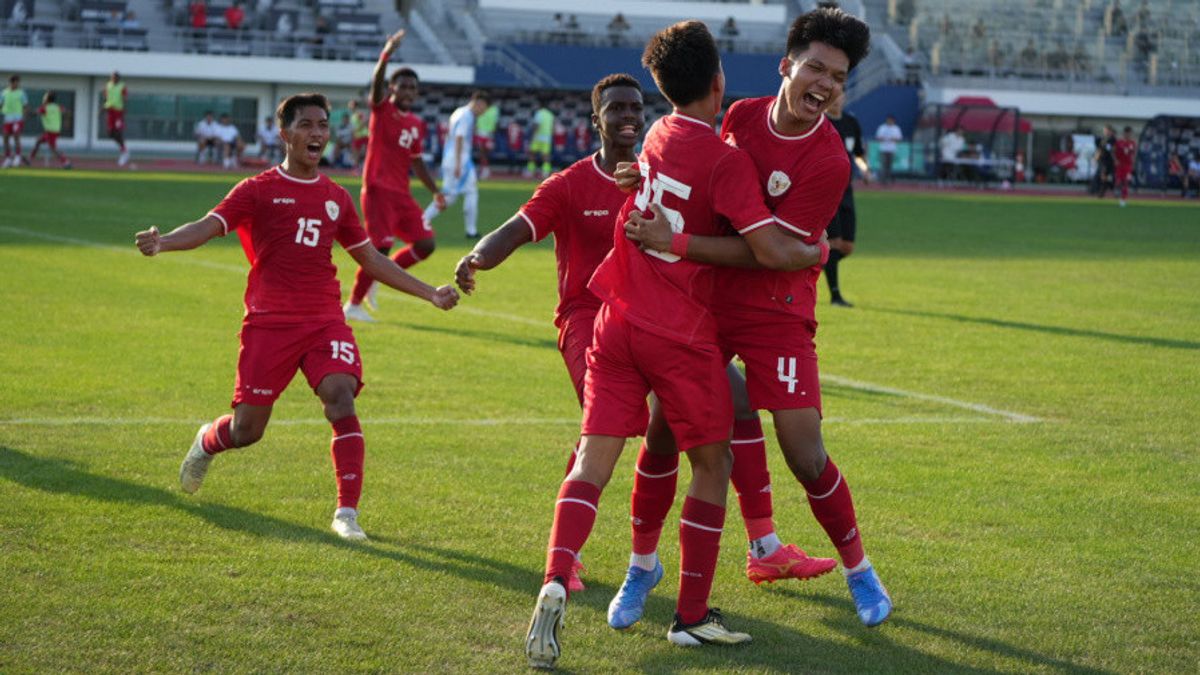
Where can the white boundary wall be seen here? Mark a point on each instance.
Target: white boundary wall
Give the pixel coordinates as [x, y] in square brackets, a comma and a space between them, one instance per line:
[267, 79]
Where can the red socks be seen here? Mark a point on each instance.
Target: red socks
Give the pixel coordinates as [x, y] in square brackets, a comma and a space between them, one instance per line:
[407, 257]
[699, 543]
[574, 515]
[362, 284]
[829, 498]
[653, 494]
[218, 438]
[348, 448]
[751, 479]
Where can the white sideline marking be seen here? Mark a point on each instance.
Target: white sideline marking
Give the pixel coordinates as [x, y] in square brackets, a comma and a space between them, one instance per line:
[834, 379]
[442, 421]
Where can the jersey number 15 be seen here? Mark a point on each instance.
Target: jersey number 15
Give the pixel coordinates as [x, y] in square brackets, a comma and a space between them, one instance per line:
[307, 231]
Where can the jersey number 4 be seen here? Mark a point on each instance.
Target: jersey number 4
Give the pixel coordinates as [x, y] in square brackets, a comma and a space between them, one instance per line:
[653, 188]
[307, 231]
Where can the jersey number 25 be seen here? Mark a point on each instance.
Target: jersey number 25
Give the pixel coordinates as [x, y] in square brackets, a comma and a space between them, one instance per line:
[654, 185]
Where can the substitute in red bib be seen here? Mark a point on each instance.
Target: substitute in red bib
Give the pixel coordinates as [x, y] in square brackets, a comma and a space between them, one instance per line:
[288, 218]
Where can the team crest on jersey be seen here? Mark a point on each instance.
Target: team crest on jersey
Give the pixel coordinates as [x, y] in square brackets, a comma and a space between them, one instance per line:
[778, 183]
[332, 209]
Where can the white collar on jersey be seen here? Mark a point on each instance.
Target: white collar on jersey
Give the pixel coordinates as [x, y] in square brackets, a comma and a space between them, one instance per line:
[810, 132]
[307, 181]
[706, 125]
[596, 166]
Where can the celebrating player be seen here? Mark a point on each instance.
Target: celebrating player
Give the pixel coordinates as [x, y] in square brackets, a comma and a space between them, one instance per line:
[292, 215]
[394, 143]
[458, 169]
[115, 95]
[51, 116]
[14, 105]
[1124, 153]
[654, 332]
[768, 317]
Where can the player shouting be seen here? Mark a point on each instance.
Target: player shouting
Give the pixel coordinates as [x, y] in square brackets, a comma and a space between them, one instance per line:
[293, 214]
[768, 317]
[394, 141]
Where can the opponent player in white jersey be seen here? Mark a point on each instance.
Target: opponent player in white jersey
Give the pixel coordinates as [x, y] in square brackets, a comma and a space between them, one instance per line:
[458, 169]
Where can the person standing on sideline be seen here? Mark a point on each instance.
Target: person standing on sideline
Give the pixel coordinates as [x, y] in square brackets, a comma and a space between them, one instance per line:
[288, 218]
[51, 116]
[539, 145]
[841, 229]
[458, 169]
[1124, 154]
[485, 138]
[14, 105]
[394, 139]
[1105, 161]
[888, 135]
[268, 140]
[115, 96]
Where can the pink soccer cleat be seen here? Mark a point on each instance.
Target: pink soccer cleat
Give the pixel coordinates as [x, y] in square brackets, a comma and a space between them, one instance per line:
[789, 562]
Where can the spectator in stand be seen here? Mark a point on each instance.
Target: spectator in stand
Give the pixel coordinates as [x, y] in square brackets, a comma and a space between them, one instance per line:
[574, 32]
[729, 33]
[1030, 60]
[207, 141]
[1116, 19]
[231, 142]
[617, 28]
[887, 135]
[130, 20]
[235, 16]
[198, 20]
[268, 140]
[322, 29]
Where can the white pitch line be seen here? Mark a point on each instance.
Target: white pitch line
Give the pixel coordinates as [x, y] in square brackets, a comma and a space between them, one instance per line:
[441, 421]
[841, 381]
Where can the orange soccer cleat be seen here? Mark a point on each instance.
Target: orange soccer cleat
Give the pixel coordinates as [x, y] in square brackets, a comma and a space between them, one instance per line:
[789, 562]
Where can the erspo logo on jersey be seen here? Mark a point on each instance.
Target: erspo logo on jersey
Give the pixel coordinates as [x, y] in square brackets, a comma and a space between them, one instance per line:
[595, 212]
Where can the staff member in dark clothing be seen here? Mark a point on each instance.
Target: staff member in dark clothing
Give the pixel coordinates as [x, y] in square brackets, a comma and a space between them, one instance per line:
[841, 228]
[1105, 162]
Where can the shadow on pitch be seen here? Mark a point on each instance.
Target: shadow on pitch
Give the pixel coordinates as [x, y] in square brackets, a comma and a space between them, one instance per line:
[486, 336]
[1052, 330]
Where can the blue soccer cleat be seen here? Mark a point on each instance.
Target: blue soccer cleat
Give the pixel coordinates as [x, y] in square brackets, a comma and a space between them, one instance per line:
[871, 599]
[630, 601]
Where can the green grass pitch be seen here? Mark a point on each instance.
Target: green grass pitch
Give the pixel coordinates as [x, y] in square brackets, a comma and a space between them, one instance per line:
[1014, 402]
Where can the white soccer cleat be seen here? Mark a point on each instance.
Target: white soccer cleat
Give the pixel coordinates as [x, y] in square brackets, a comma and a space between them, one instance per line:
[541, 643]
[123, 159]
[357, 313]
[345, 523]
[195, 463]
[7, 163]
[372, 298]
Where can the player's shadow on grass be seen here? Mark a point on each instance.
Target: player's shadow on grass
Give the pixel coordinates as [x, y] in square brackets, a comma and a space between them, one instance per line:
[1169, 343]
[486, 336]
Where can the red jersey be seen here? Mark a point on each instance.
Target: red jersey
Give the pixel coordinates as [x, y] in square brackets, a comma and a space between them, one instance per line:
[559, 137]
[1124, 154]
[292, 224]
[394, 138]
[578, 205]
[583, 136]
[804, 177]
[697, 180]
[516, 137]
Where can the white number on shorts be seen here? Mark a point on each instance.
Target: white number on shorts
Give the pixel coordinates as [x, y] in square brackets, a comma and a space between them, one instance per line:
[788, 375]
[652, 192]
[307, 232]
[407, 136]
[342, 350]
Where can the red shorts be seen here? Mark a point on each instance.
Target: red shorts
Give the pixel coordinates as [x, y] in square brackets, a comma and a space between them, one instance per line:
[626, 363]
[780, 358]
[116, 120]
[50, 139]
[270, 357]
[392, 215]
[13, 128]
[485, 143]
[574, 339]
[1123, 173]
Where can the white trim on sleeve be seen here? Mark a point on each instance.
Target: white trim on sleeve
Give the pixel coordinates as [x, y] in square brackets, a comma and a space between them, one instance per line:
[793, 228]
[750, 228]
[360, 244]
[529, 222]
[224, 223]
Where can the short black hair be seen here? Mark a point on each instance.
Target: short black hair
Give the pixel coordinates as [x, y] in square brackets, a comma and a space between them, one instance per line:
[1129, 130]
[609, 81]
[285, 114]
[405, 72]
[51, 96]
[683, 59]
[14, 78]
[833, 27]
[481, 95]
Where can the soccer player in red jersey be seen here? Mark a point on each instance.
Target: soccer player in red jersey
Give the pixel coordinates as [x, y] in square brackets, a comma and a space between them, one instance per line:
[768, 317]
[393, 145]
[1124, 154]
[654, 332]
[293, 320]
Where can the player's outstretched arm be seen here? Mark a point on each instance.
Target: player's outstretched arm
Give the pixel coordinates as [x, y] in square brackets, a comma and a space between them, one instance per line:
[491, 251]
[385, 270]
[767, 247]
[182, 238]
[379, 77]
[426, 178]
